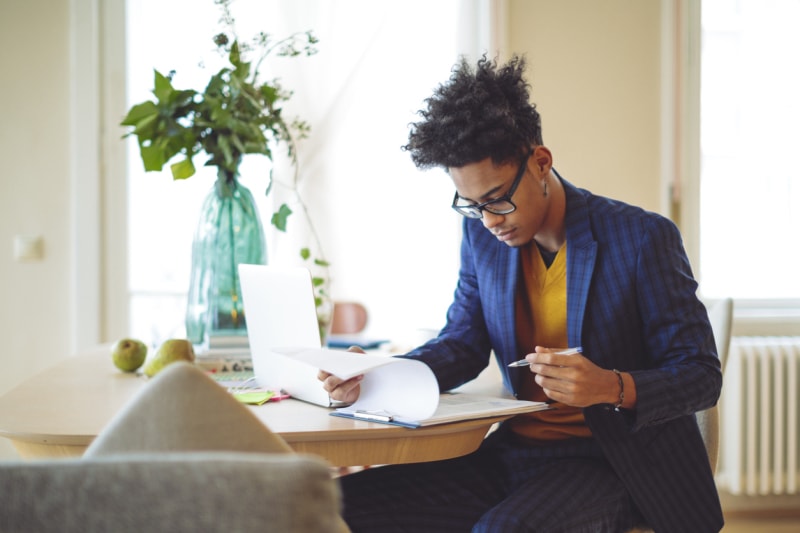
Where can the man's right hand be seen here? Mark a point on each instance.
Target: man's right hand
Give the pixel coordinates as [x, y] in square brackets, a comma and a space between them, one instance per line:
[346, 391]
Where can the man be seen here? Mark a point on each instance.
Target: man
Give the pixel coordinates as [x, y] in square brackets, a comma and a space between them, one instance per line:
[546, 266]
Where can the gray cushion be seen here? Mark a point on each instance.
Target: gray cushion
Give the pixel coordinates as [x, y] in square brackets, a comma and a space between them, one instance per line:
[197, 492]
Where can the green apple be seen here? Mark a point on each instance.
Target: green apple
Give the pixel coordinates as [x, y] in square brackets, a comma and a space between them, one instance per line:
[170, 351]
[129, 354]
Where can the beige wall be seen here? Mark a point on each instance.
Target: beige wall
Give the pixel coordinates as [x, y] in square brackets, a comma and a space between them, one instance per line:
[594, 68]
[35, 185]
[595, 77]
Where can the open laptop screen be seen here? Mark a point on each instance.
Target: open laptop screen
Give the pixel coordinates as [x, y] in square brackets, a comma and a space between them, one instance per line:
[280, 312]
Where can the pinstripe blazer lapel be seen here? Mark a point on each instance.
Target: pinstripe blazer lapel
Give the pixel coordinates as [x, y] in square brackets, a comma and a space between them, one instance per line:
[500, 278]
[581, 256]
[508, 263]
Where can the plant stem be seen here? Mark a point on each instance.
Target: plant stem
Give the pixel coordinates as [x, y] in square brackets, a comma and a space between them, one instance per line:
[295, 188]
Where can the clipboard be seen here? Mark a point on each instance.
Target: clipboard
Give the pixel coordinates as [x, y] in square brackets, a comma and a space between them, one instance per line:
[404, 392]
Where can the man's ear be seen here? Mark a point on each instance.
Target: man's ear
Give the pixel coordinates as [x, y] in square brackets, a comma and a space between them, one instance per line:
[543, 159]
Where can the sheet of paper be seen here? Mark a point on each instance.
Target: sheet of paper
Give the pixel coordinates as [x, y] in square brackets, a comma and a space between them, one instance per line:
[402, 387]
[337, 362]
[406, 389]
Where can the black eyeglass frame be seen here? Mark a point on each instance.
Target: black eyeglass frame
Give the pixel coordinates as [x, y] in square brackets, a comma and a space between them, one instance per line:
[476, 210]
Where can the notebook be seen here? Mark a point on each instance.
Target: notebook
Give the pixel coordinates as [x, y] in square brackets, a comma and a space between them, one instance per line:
[280, 310]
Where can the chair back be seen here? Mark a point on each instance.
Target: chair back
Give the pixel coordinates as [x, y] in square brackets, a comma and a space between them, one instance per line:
[720, 313]
[177, 492]
[194, 459]
[183, 409]
[348, 318]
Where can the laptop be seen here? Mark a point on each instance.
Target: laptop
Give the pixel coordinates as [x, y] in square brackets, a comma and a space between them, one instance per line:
[280, 313]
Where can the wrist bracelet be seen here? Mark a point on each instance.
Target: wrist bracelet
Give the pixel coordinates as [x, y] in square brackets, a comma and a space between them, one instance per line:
[621, 389]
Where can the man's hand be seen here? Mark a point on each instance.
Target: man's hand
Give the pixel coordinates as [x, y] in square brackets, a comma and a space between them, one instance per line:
[575, 380]
[346, 391]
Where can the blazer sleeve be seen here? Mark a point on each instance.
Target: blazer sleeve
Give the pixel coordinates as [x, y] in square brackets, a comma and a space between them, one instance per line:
[686, 375]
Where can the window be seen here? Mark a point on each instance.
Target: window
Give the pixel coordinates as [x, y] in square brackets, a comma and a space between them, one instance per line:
[750, 178]
[377, 63]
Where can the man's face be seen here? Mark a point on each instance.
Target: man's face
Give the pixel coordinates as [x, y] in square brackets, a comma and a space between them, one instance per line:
[481, 182]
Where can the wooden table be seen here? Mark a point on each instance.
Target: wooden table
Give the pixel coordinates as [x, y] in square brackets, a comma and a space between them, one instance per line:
[60, 411]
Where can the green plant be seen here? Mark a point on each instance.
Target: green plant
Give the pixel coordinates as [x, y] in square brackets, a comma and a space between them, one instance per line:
[236, 114]
[233, 116]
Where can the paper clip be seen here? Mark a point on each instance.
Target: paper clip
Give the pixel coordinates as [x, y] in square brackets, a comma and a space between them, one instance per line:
[373, 416]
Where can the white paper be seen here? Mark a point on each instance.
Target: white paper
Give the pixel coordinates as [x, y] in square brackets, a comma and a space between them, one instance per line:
[405, 388]
[341, 364]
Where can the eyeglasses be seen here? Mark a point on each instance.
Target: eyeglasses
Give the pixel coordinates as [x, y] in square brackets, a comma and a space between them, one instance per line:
[498, 206]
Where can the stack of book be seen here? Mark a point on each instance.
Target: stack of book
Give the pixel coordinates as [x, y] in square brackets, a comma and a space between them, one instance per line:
[224, 353]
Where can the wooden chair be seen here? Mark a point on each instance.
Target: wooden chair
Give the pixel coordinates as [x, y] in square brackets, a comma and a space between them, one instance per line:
[348, 318]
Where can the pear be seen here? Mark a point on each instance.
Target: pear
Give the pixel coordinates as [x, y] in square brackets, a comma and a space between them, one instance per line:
[170, 351]
[129, 354]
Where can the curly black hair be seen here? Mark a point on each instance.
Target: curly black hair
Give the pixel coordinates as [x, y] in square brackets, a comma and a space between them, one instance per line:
[475, 115]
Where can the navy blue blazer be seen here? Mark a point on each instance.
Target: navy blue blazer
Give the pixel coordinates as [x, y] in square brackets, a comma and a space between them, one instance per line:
[631, 305]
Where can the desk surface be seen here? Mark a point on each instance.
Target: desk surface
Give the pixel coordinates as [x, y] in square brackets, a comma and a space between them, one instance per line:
[60, 411]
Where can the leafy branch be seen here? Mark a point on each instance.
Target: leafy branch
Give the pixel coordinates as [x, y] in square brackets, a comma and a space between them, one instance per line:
[233, 116]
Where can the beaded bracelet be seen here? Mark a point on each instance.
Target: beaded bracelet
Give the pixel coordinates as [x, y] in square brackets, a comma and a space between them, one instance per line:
[621, 389]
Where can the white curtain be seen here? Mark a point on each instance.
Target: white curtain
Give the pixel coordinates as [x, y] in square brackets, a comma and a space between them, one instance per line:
[385, 226]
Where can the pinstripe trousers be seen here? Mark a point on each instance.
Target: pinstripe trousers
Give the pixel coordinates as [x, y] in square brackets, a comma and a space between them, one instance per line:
[505, 486]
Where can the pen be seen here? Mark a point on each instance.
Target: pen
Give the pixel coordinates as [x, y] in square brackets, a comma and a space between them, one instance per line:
[568, 351]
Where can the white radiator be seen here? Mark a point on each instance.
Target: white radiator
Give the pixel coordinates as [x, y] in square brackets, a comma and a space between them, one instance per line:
[760, 416]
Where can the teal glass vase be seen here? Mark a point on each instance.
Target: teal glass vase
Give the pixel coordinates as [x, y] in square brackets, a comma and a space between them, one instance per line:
[228, 233]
